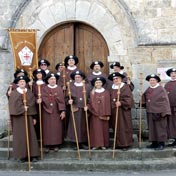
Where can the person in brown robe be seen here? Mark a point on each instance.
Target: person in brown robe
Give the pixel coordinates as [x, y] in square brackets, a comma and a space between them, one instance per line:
[124, 138]
[13, 85]
[44, 65]
[100, 111]
[171, 90]
[70, 63]
[119, 68]
[96, 67]
[53, 113]
[17, 110]
[59, 71]
[77, 102]
[157, 105]
[59, 68]
[38, 76]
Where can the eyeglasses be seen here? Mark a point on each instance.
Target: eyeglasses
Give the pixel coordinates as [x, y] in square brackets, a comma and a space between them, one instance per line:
[43, 64]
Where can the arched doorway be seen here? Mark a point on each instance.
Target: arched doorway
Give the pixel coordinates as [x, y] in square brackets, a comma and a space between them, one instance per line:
[75, 38]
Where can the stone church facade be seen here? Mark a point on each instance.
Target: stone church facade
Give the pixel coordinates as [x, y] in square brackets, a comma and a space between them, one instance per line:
[140, 34]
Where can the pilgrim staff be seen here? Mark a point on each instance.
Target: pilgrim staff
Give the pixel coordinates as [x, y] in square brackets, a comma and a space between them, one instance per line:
[27, 132]
[30, 77]
[140, 108]
[9, 124]
[128, 74]
[87, 123]
[64, 79]
[64, 89]
[116, 122]
[40, 119]
[73, 118]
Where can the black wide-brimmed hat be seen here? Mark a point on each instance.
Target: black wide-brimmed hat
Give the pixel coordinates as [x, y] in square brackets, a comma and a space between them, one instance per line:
[58, 65]
[21, 78]
[51, 75]
[20, 71]
[35, 72]
[116, 64]
[77, 72]
[71, 57]
[98, 79]
[168, 72]
[153, 76]
[96, 63]
[43, 61]
[116, 74]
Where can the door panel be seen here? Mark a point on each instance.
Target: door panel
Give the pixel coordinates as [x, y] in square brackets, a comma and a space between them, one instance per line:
[57, 45]
[75, 38]
[90, 46]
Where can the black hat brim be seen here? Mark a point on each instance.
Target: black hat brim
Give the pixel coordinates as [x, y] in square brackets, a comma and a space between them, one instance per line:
[103, 80]
[116, 74]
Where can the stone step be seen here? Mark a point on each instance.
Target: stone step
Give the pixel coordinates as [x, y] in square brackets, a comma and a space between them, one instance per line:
[103, 155]
[66, 144]
[92, 165]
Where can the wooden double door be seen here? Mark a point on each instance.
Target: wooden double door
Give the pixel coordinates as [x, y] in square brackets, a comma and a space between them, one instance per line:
[77, 39]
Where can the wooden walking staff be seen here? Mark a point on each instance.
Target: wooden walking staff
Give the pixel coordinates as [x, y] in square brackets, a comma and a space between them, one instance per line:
[73, 118]
[116, 122]
[140, 106]
[40, 121]
[64, 78]
[64, 85]
[9, 125]
[27, 132]
[30, 77]
[87, 123]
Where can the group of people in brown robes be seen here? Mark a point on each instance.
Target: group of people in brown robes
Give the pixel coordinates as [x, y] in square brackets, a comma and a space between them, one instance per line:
[108, 99]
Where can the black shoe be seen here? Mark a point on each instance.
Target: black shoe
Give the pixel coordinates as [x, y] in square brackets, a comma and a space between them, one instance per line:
[34, 160]
[23, 160]
[173, 144]
[83, 146]
[160, 146]
[153, 145]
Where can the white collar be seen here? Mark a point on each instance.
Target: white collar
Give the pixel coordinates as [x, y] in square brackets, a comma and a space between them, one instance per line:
[47, 71]
[117, 87]
[39, 82]
[99, 73]
[21, 91]
[71, 68]
[173, 79]
[100, 90]
[58, 73]
[121, 72]
[78, 84]
[155, 86]
[52, 87]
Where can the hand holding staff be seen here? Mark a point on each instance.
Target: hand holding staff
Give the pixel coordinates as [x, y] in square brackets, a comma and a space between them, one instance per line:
[40, 119]
[116, 121]
[9, 124]
[73, 118]
[87, 123]
[27, 132]
[140, 116]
